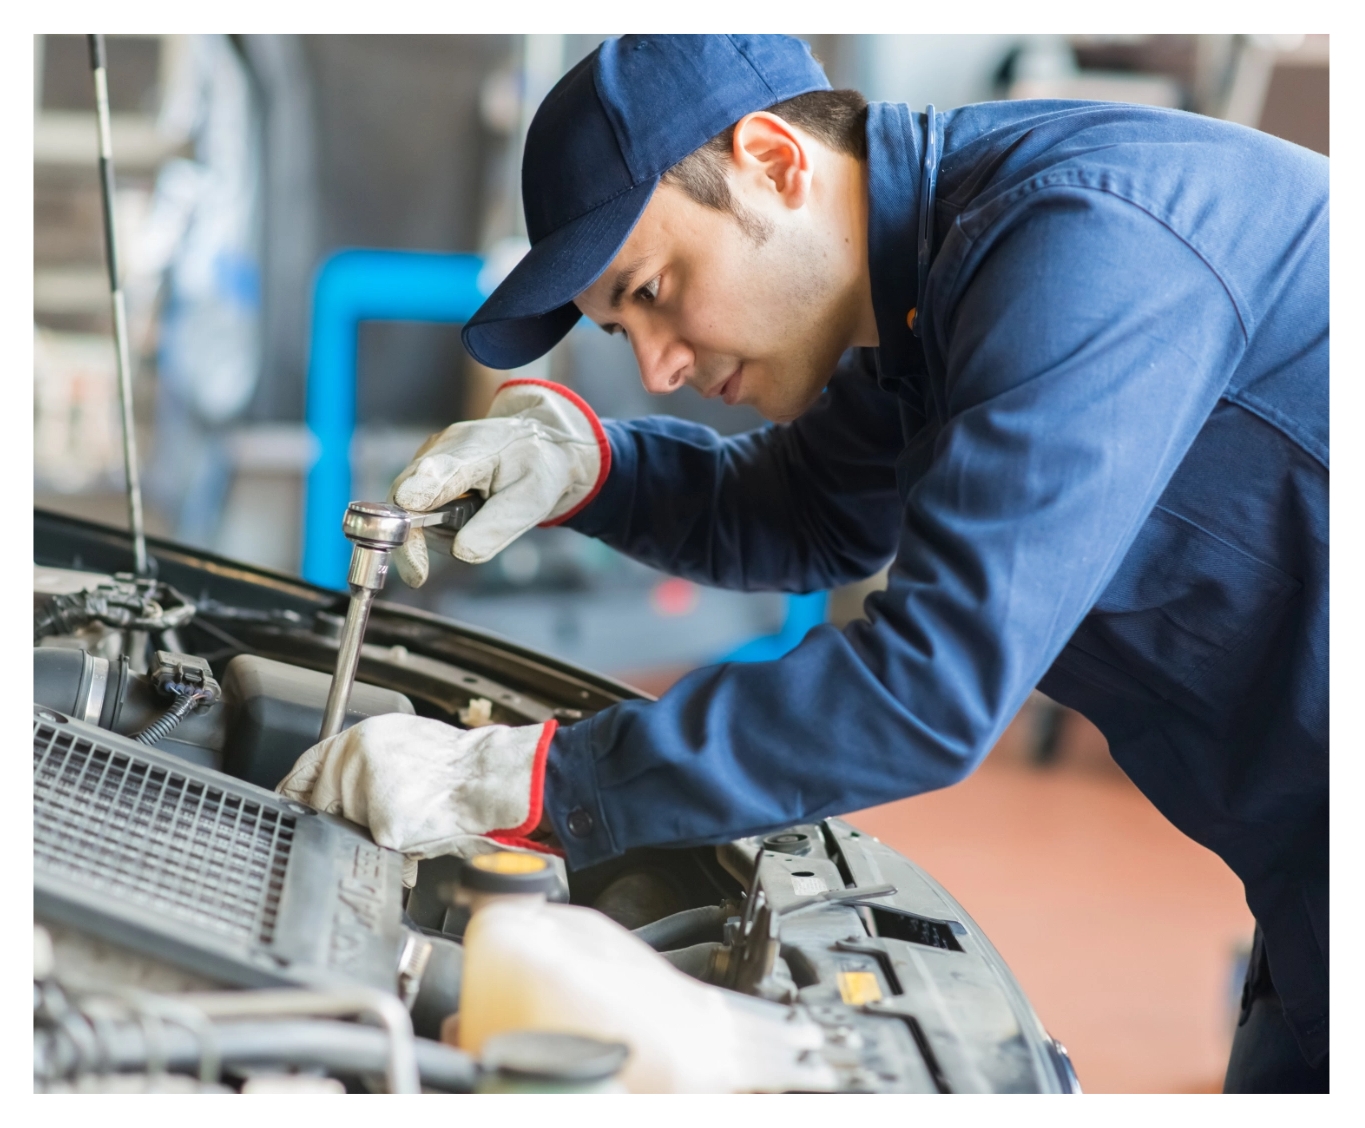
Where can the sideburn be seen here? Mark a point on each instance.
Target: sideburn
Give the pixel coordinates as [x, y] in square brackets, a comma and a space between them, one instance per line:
[758, 228]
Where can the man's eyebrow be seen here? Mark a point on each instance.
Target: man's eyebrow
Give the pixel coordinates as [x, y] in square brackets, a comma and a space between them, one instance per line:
[619, 286]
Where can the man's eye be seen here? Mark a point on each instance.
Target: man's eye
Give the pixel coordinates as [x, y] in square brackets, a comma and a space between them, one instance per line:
[649, 291]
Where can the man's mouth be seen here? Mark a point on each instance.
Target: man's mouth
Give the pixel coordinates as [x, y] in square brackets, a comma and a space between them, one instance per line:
[728, 390]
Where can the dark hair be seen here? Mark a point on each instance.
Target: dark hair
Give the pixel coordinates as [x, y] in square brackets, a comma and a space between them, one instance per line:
[836, 117]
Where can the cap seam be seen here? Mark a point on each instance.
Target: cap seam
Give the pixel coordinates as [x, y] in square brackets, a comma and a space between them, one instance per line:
[743, 54]
[611, 121]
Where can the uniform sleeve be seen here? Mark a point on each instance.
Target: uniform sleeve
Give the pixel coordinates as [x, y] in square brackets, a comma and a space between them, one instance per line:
[1084, 347]
[798, 507]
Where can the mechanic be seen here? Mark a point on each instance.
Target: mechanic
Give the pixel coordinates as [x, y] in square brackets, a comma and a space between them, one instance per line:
[1063, 364]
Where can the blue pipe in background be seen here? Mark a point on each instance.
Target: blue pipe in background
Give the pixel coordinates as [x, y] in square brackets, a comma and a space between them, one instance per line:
[354, 286]
[803, 613]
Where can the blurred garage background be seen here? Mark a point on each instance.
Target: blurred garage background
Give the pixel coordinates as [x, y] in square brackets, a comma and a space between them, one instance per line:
[246, 163]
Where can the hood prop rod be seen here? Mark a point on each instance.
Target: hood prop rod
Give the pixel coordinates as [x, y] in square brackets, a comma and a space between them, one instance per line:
[125, 374]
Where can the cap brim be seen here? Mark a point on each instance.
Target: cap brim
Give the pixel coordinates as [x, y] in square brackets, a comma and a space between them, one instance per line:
[533, 307]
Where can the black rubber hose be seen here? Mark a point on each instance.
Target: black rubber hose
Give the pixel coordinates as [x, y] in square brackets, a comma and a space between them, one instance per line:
[338, 1047]
[58, 676]
[698, 961]
[691, 926]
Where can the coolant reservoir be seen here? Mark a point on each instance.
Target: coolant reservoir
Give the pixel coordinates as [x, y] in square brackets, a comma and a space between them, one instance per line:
[532, 965]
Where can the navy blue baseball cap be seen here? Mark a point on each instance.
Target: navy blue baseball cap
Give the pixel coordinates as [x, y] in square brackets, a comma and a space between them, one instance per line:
[595, 151]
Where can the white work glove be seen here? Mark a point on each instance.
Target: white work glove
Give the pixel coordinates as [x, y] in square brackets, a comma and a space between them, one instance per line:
[426, 788]
[539, 456]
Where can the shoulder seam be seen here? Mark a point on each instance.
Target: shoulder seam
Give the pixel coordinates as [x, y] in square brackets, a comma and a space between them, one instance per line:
[1055, 181]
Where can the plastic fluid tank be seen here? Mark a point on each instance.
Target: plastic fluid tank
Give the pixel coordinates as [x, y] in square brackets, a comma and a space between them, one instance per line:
[533, 965]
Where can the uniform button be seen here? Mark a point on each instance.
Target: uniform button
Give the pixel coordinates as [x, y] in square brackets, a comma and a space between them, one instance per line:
[580, 823]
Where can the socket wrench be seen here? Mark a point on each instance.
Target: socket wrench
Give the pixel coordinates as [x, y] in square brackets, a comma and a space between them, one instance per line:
[375, 529]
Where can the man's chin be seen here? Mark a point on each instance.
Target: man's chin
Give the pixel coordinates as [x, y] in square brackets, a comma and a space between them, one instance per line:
[787, 412]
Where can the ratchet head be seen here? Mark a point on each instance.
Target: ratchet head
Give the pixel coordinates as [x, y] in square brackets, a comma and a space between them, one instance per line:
[376, 525]
[382, 527]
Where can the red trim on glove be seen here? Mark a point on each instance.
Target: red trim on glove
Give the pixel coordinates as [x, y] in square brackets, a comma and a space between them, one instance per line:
[603, 446]
[516, 835]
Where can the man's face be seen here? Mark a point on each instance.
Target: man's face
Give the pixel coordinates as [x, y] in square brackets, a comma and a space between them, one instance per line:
[703, 302]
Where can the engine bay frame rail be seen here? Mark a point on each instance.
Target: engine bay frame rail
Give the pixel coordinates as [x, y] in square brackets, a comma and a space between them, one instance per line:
[213, 581]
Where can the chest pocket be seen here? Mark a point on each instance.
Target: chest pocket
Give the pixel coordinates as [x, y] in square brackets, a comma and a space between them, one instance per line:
[1186, 615]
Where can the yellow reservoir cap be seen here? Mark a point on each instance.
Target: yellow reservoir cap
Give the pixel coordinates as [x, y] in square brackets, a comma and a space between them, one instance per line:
[506, 862]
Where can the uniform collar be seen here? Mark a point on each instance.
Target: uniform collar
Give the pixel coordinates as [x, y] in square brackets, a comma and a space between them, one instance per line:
[895, 148]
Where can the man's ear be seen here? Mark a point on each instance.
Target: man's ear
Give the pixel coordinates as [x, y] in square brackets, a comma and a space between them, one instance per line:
[771, 152]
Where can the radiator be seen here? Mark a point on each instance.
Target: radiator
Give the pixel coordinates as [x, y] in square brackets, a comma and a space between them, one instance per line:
[207, 872]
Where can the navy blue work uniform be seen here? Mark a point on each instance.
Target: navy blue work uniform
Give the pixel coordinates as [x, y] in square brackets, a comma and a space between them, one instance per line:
[1100, 468]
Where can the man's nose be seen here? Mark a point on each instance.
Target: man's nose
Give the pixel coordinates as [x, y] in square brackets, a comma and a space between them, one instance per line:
[663, 363]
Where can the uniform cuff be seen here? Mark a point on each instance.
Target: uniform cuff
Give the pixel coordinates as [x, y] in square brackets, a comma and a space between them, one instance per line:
[571, 798]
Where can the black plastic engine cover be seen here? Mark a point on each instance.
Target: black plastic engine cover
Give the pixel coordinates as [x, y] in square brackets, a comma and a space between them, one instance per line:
[276, 711]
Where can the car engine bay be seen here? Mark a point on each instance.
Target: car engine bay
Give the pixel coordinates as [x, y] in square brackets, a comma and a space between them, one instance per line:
[197, 931]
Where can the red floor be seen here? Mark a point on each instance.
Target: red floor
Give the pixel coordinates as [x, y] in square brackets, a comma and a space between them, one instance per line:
[1122, 931]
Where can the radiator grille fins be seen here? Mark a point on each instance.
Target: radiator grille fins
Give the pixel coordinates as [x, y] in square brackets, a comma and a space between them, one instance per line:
[128, 828]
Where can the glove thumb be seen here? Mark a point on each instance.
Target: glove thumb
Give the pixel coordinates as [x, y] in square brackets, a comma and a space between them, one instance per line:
[410, 558]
